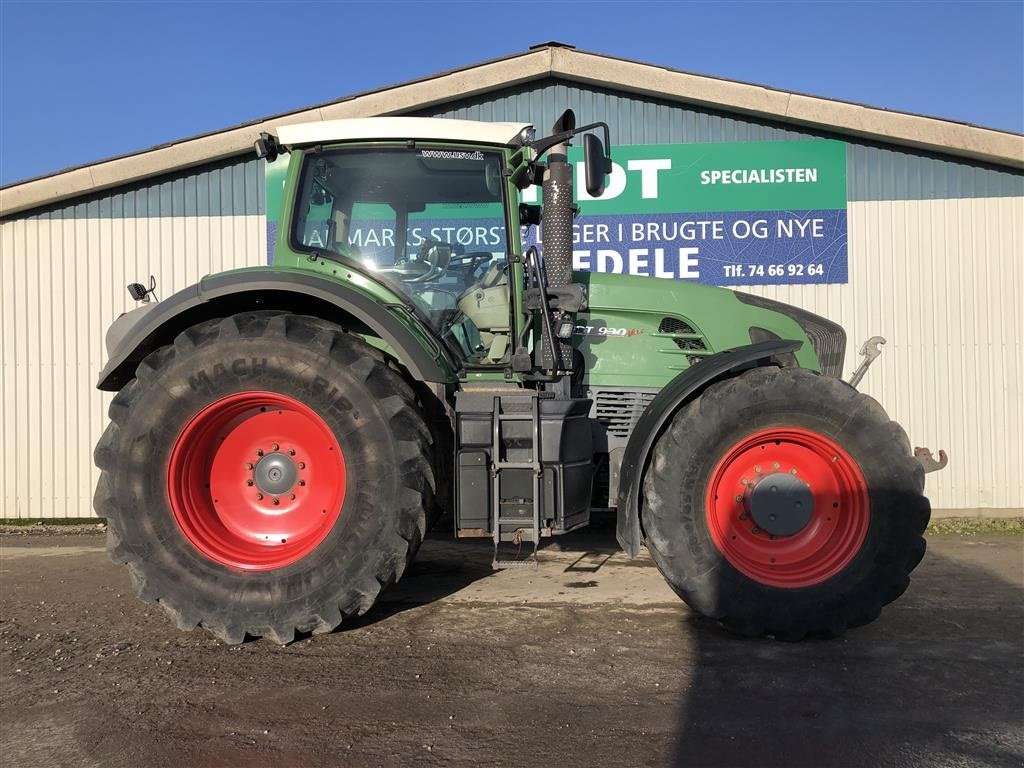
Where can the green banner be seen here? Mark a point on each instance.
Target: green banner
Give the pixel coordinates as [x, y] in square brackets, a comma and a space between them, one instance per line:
[691, 178]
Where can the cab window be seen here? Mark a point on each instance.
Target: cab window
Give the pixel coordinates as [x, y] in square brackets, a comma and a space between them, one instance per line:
[429, 221]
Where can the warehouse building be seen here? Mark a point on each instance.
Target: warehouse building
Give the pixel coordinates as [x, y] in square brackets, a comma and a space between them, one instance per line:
[921, 242]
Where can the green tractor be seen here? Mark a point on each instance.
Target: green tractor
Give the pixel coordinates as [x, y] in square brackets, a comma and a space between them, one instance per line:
[283, 437]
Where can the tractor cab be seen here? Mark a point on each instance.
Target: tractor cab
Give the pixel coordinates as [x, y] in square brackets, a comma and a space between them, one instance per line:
[430, 222]
[430, 209]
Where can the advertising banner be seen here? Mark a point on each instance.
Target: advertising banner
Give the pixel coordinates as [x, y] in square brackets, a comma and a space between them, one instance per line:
[723, 214]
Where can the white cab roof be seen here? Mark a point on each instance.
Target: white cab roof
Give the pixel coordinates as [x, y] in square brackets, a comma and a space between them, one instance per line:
[423, 128]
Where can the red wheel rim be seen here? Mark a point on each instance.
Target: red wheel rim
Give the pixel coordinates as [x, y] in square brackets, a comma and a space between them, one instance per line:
[256, 481]
[837, 524]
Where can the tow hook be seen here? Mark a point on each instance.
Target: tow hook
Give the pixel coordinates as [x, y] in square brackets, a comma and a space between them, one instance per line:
[924, 456]
[869, 350]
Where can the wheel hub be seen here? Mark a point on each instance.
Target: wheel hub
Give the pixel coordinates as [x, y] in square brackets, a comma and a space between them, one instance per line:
[788, 507]
[256, 480]
[781, 505]
[275, 474]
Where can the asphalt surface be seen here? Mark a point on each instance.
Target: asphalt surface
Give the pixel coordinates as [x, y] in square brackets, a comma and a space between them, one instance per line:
[589, 660]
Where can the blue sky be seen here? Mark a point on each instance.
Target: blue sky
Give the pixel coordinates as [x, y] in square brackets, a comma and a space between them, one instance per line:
[84, 81]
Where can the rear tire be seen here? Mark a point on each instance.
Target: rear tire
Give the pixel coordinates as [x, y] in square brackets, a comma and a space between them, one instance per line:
[205, 531]
[830, 448]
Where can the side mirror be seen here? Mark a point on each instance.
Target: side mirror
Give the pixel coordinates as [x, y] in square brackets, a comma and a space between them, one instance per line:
[267, 147]
[598, 164]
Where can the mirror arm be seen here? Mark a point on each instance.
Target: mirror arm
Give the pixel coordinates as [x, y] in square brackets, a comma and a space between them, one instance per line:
[605, 131]
[540, 146]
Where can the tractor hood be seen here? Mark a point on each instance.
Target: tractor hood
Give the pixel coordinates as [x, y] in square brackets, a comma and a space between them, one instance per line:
[641, 332]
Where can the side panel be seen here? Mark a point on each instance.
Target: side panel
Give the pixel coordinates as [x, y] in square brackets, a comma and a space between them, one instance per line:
[641, 333]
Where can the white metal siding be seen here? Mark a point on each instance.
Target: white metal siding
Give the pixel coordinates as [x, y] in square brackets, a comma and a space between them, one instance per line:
[62, 281]
[942, 281]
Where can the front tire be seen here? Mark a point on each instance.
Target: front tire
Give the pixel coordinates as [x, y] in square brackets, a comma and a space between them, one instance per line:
[265, 474]
[785, 503]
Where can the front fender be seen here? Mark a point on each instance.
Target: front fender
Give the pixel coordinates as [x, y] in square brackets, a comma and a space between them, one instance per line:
[230, 292]
[650, 424]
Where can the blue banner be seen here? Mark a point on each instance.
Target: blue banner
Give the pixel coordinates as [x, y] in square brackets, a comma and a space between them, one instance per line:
[759, 248]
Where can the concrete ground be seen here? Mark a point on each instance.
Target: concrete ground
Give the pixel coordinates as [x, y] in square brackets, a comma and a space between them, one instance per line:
[589, 660]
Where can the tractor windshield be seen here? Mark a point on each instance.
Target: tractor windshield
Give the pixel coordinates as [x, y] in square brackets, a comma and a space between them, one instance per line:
[430, 221]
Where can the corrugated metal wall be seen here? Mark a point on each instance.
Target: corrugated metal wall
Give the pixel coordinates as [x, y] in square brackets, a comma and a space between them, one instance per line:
[875, 172]
[63, 274]
[935, 249]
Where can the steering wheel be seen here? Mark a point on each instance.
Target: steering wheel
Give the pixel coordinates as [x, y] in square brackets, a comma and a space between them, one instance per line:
[471, 261]
[436, 255]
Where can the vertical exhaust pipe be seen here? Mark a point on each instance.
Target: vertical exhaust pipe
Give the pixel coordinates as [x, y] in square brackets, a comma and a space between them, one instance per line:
[556, 221]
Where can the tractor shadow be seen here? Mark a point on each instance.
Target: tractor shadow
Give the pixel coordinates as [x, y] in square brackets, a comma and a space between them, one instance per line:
[443, 566]
[446, 565]
[936, 680]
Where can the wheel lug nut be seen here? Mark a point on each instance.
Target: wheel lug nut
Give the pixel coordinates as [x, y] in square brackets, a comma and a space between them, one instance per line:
[292, 497]
[291, 451]
[274, 447]
[259, 497]
[275, 501]
[792, 471]
[259, 451]
[248, 482]
[302, 465]
[302, 482]
[739, 498]
[248, 465]
[758, 469]
[775, 465]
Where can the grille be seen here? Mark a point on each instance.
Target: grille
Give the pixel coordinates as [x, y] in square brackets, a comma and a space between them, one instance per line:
[619, 411]
[675, 325]
[830, 346]
[827, 338]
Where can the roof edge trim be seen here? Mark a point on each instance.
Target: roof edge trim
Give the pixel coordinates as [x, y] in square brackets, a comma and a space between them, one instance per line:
[931, 134]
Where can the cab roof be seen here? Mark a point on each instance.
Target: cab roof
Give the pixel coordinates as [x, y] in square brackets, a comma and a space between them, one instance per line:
[400, 128]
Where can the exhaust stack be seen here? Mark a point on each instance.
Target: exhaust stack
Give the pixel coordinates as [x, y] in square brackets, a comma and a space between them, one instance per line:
[557, 233]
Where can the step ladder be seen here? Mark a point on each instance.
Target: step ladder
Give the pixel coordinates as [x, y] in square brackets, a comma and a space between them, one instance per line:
[520, 532]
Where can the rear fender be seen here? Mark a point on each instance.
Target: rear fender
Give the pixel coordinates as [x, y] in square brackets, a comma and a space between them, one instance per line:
[677, 392]
[231, 292]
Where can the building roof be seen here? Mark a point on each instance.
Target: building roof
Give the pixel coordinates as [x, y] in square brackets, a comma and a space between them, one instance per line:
[424, 128]
[546, 60]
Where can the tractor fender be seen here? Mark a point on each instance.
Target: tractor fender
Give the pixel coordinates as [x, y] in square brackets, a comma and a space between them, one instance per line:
[652, 421]
[231, 292]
